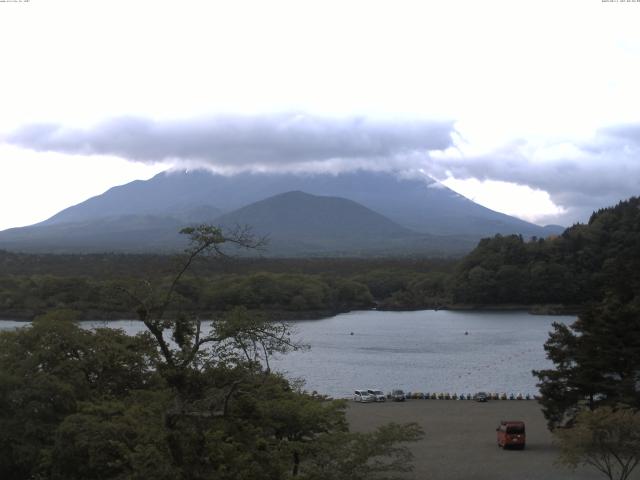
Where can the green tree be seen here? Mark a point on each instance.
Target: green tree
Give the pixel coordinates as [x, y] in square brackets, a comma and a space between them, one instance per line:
[359, 456]
[48, 371]
[605, 439]
[597, 362]
[114, 439]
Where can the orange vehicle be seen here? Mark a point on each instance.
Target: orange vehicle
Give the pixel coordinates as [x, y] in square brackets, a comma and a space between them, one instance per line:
[511, 434]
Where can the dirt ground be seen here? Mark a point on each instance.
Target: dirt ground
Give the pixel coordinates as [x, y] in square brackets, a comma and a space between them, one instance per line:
[460, 439]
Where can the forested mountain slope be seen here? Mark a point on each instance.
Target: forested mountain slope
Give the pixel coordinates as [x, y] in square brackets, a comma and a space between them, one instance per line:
[581, 265]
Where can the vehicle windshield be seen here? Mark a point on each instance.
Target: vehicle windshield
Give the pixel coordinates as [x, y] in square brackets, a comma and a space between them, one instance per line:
[376, 392]
[398, 392]
[515, 429]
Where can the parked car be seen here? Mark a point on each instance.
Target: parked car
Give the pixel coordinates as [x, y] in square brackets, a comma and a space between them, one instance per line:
[511, 434]
[397, 396]
[363, 396]
[378, 395]
[480, 397]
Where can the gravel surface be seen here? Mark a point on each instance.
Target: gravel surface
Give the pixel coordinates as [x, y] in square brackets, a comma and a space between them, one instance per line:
[460, 439]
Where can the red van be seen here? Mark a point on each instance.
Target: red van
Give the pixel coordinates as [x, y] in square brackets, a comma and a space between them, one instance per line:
[511, 434]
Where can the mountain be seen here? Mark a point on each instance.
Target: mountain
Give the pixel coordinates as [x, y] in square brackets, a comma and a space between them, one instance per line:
[303, 215]
[420, 204]
[295, 223]
[130, 233]
[357, 213]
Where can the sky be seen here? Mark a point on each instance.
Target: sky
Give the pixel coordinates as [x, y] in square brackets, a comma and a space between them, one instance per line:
[531, 108]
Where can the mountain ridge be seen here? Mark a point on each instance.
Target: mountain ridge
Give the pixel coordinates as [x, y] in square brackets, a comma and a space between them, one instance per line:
[296, 223]
[417, 203]
[425, 211]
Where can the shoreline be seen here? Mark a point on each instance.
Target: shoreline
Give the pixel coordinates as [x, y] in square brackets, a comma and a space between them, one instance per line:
[96, 316]
[288, 315]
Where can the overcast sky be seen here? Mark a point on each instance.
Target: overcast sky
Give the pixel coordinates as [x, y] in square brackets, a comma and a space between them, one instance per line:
[531, 108]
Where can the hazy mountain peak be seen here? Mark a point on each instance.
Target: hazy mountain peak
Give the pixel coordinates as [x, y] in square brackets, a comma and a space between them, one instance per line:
[391, 205]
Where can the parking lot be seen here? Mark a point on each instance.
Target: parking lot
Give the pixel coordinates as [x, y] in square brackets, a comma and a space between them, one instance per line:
[460, 439]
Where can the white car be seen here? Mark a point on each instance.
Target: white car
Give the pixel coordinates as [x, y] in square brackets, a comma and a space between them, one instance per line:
[378, 395]
[363, 396]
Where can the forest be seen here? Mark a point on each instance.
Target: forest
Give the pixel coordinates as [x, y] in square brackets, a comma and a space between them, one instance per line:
[554, 274]
[282, 288]
[576, 267]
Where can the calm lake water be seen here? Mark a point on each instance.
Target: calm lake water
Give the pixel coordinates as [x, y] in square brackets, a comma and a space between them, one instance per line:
[422, 351]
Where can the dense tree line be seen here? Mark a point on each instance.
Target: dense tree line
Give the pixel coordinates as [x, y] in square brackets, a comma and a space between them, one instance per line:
[579, 266]
[26, 297]
[120, 265]
[278, 294]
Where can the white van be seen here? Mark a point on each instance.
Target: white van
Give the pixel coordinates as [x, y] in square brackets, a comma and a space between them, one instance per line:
[378, 395]
[363, 396]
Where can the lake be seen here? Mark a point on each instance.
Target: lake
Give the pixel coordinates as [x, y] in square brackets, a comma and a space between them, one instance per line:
[423, 351]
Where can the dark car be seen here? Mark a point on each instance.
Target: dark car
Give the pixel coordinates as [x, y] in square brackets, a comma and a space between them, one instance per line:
[481, 397]
[397, 396]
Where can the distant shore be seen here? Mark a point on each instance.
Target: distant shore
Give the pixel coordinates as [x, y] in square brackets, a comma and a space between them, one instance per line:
[549, 309]
[97, 315]
[536, 309]
[460, 439]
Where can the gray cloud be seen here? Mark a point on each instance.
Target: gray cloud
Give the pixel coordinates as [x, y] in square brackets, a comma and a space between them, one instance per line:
[241, 141]
[596, 174]
[588, 176]
[626, 134]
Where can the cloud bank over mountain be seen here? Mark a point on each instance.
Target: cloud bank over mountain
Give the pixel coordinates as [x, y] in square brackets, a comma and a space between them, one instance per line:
[579, 175]
[281, 141]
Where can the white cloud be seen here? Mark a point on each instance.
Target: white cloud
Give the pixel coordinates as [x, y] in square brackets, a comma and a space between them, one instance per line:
[41, 184]
[529, 83]
[522, 201]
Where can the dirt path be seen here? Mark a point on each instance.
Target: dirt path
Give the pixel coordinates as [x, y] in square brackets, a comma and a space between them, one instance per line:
[460, 440]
